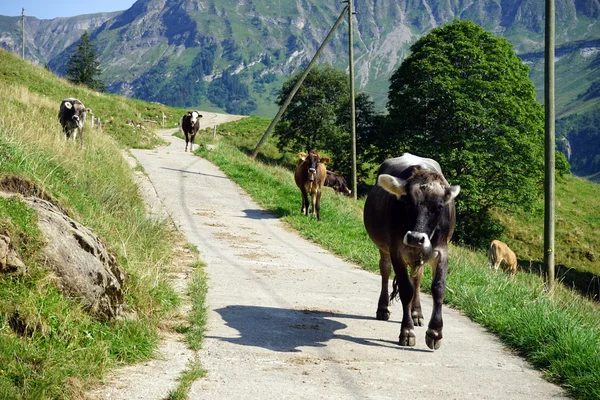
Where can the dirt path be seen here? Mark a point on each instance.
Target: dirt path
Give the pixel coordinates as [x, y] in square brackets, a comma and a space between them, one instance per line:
[289, 320]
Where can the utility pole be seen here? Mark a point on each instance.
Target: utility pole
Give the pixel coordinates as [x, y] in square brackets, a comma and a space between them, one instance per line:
[287, 101]
[549, 215]
[352, 105]
[23, 33]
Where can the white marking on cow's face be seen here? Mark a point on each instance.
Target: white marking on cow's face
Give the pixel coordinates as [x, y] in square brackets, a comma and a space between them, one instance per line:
[194, 117]
[418, 239]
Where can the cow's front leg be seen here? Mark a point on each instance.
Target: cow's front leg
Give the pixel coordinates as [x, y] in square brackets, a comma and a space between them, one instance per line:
[304, 203]
[404, 287]
[433, 337]
[186, 141]
[383, 305]
[318, 205]
[416, 312]
[193, 136]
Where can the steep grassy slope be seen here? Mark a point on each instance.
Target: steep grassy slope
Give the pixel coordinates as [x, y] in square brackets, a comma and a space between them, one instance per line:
[49, 346]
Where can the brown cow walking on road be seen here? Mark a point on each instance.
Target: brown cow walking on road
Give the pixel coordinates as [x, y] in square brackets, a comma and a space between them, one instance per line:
[501, 254]
[410, 216]
[310, 177]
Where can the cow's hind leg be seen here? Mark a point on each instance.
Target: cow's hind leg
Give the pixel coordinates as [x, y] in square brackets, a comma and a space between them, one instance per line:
[433, 336]
[383, 305]
[416, 312]
[403, 286]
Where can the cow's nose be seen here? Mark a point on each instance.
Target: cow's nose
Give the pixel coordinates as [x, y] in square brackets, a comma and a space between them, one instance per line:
[312, 170]
[75, 117]
[416, 239]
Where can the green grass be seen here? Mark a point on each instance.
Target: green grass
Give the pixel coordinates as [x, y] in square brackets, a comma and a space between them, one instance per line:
[50, 348]
[558, 333]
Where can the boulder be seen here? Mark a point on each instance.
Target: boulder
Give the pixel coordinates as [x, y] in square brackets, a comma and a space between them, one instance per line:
[86, 270]
[9, 259]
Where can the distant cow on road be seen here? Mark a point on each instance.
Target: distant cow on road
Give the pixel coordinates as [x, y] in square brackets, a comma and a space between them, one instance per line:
[71, 116]
[190, 124]
[338, 183]
[410, 216]
[310, 177]
[501, 254]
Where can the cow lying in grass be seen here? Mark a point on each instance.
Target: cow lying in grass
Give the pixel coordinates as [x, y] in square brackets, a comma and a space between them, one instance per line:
[338, 183]
[310, 177]
[71, 116]
[501, 254]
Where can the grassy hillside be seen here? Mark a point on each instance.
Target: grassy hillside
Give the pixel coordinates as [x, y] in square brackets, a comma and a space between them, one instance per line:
[559, 333]
[60, 350]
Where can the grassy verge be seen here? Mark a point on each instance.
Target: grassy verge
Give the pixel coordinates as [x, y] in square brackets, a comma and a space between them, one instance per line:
[60, 351]
[559, 334]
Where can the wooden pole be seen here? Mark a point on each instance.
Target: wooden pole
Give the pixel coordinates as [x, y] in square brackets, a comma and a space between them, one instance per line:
[287, 101]
[549, 178]
[352, 105]
[23, 33]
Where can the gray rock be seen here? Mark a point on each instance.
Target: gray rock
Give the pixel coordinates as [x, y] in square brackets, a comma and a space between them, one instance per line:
[9, 259]
[79, 258]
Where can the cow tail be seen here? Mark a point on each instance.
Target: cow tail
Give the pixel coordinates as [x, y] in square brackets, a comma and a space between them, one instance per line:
[395, 289]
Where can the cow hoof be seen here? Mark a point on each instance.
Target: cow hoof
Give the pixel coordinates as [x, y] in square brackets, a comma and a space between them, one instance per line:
[433, 339]
[383, 315]
[407, 338]
[417, 319]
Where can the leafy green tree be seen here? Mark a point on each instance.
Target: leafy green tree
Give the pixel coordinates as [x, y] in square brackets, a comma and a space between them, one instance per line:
[83, 66]
[464, 98]
[318, 117]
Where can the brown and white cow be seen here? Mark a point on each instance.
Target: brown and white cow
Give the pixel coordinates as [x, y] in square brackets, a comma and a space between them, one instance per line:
[310, 177]
[71, 116]
[410, 216]
[501, 254]
[338, 183]
[190, 124]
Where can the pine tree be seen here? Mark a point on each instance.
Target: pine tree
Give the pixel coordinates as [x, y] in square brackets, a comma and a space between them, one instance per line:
[83, 66]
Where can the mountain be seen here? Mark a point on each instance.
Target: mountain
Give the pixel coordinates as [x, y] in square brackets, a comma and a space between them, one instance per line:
[233, 55]
[47, 38]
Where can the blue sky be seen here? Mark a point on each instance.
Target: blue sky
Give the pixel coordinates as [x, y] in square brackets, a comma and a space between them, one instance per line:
[48, 9]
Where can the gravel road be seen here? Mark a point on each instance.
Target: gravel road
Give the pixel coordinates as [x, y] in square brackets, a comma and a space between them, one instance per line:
[288, 320]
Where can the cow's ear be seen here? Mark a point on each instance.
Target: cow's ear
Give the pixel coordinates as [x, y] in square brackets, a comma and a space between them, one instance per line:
[325, 160]
[68, 105]
[451, 193]
[302, 156]
[391, 184]
[199, 115]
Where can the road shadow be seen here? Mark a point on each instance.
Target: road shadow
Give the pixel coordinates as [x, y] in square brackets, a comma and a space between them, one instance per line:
[259, 214]
[286, 330]
[194, 172]
[585, 283]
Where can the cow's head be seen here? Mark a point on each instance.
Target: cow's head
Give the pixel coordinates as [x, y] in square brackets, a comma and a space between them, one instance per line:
[194, 117]
[77, 111]
[424, 195]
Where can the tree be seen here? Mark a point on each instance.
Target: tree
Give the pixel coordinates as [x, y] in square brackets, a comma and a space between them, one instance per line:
[464, 98]
[318, 117]
[83, 66]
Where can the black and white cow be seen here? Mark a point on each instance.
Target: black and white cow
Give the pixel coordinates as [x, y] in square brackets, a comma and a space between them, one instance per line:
[190, 124]
[410, 216]
[71, 116]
